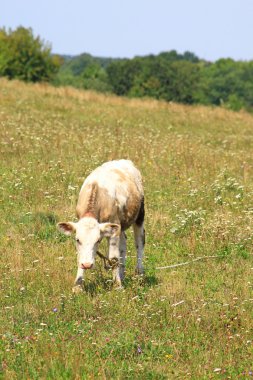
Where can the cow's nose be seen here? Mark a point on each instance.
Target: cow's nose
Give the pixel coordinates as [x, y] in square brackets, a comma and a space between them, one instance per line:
[86, 266]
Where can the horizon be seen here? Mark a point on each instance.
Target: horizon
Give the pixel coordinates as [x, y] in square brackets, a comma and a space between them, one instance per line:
[151, 54]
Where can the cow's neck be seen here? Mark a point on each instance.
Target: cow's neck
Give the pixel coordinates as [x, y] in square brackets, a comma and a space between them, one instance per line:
[89, 212]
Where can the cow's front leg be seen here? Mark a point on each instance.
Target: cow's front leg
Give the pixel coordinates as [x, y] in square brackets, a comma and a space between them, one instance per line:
[122, 260]
[114, 256]
[77, 288]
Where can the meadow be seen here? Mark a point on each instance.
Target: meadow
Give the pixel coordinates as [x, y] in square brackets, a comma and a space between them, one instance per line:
[186, 322]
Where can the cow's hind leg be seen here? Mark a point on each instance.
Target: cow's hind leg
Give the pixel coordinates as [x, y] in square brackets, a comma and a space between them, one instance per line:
[139, 237]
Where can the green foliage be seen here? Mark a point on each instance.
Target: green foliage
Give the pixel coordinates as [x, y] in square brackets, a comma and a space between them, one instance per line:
[94, 77]
[184, 81]
[25, 57]
[174, 56]
[121, 75]
[227, 82]
[159, 77]
[84, 71]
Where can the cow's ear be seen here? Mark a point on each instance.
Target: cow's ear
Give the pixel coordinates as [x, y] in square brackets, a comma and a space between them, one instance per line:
[110, 229]
[67, 227]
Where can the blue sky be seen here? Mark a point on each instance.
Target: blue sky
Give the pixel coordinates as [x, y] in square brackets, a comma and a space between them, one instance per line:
[125, 28]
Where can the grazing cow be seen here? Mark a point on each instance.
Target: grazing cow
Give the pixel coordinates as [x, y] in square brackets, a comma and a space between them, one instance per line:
[110, 201]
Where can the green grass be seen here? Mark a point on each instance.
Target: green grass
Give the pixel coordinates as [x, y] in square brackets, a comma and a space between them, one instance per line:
[190, 322]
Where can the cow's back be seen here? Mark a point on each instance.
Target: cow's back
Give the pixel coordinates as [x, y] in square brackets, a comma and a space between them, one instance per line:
[113, 192]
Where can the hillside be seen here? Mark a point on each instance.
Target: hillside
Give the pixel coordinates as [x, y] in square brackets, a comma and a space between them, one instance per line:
[192, 321]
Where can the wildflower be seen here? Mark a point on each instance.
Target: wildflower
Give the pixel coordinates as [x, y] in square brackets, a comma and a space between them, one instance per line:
[177, 303]
[139, 350]
[55, 309]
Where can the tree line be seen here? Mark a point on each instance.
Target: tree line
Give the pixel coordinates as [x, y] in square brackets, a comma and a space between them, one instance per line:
[169, 76]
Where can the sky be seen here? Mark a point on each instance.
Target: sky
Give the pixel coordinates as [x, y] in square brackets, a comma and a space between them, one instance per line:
[211, 29]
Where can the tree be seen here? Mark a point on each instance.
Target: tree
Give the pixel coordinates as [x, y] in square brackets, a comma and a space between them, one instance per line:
[94, 77]
[26, 57]
[225, 82]
[184, 81]
[161, 78]
[121, 75]
[4, 53]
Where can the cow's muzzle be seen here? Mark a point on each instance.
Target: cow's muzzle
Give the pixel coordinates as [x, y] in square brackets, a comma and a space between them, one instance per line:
[86, 266]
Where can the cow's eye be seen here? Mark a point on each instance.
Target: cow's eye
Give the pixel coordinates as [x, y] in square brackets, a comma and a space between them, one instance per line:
[78, 241]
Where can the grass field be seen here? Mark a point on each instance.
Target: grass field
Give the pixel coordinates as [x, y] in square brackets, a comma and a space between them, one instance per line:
[188, 322]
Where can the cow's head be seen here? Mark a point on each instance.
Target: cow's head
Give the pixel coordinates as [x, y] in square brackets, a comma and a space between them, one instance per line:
[88, 234]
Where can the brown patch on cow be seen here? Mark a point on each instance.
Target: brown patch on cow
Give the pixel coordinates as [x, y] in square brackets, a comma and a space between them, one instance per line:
[87, 200]
[133, 204]
[121, 175]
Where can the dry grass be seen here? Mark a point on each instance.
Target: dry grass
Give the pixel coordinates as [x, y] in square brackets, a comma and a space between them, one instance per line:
[193, 322]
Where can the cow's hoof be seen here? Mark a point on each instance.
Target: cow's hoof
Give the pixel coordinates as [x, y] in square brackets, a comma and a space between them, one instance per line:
[77, 289]
[118, 287]
[139, 270]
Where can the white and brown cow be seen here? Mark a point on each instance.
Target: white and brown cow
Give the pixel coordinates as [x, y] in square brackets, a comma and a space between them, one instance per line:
[110, 201]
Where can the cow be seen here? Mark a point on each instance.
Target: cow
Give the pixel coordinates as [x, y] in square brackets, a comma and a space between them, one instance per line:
[111, 200]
